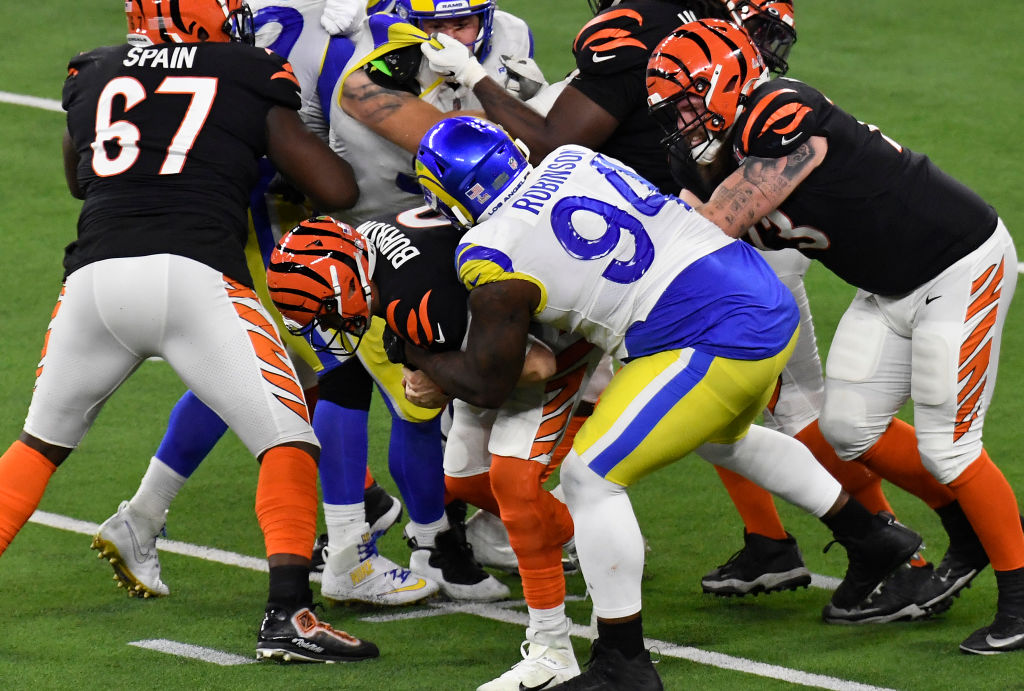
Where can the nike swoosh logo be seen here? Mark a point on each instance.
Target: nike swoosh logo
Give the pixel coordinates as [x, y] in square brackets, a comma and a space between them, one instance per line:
[791, 139]
[440, 334]
[544, 685]
[596, 58]
[472, 284]
[1000, 642]
[136, 547]
[931, 298]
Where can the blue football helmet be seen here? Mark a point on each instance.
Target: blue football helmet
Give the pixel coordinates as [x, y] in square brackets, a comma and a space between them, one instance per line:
[415, 11]
[466, 165]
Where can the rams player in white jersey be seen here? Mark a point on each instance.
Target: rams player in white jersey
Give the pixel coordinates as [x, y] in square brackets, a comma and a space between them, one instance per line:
[584, 244]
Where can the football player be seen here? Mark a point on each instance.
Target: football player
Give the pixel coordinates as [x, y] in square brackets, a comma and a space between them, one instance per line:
[934, 266]
[158, 269]
[584, 244]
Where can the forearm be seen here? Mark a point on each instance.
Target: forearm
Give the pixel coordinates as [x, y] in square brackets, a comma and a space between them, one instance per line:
[460, 378]
[518, 119]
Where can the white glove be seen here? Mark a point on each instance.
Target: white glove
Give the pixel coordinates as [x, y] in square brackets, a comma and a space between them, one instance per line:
[523, 78]
[453, 59]
[341, 16]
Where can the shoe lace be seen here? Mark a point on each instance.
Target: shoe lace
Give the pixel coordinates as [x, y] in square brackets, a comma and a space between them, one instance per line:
[368, 548]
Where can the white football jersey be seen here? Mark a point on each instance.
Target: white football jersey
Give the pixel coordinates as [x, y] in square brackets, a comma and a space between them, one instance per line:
[600, 242]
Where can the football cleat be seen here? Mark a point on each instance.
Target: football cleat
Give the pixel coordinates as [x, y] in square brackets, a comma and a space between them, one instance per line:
[764, 565]
[547, 660]
[382, 511]
[130, 547]
[373, 579]
[872, 557]
[297, 635]
[450, 563]
[609, 670]
[1003, 635]
[903, 596]
[488, 537]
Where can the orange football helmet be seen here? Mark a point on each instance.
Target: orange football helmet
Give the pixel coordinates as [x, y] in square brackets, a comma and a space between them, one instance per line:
[318, 278]
[710, 62]
[771, 26]
[189, 21]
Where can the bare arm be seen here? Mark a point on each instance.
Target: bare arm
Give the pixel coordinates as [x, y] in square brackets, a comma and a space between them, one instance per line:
[308, 163]
[573, 119]
[71, 166]
[759, 185]
[485, 373]
[398, 116]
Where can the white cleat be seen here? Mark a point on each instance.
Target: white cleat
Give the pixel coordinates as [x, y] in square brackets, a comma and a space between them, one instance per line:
[125, 542]
[374, 579]
[547, 661]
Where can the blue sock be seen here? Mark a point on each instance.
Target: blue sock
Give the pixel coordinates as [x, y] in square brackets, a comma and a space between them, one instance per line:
[343, 447]
[416, 462]
[192, 432]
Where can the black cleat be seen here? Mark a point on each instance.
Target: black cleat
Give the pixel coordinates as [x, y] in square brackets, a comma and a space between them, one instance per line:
[906, 595]
[609, 670]
[872, 557]
[1003, 635]
[763, 565]
[297, 635]
[451, 564]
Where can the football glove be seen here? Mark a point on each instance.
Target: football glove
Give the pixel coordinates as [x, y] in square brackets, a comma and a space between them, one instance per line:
[394, 346]
[450, 58]
[341, 16]
[523, 77]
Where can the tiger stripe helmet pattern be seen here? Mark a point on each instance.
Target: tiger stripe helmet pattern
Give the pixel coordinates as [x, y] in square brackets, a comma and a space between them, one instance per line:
[322, 268]
[709, 61]
[189, 21]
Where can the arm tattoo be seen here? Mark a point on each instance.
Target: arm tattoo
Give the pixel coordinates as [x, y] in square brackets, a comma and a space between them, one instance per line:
[374, 102]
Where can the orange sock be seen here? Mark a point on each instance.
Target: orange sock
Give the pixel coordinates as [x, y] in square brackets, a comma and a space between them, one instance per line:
[864, 485]
[24, 473]
[286, 501]
[368, 482]
[475, 490]
[755, 505]
[538, 526]
[565, 446]
[895, 457]
[990, 505]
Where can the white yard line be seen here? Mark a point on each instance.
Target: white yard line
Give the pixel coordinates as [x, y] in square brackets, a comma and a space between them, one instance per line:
[504, 612]
[31, 101]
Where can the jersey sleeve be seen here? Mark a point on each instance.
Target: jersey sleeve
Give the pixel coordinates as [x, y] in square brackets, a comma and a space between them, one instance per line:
[437, 321]
[781, 117]
[479, 265]
[272, 76]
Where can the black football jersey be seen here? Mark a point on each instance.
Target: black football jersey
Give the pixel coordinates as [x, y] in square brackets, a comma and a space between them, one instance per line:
[611, 52]
[420, 293]
[168, 138]
[880, 216]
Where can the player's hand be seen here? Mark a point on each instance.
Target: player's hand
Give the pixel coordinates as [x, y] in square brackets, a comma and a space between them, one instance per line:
[450, 58]
[341, 16]
[394, 346]
[421, 390]
[539, 364]
[523, 77]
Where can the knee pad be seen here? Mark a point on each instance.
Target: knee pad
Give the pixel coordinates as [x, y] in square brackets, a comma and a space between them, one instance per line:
[843, 424]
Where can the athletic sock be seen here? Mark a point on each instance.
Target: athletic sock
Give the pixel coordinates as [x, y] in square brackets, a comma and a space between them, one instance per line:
[626, 637]
[24, 474]
[989, 503]
[754, 504]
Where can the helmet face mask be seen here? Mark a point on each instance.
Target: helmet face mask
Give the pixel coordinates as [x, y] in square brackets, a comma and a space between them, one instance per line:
[189, 21]
[318, 278]
[771, 26]
[708, 68]
[417, 11]
[468, 167]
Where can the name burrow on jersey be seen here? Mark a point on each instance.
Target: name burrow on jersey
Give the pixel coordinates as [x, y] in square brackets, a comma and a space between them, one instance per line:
[390, 242]
[164, 57]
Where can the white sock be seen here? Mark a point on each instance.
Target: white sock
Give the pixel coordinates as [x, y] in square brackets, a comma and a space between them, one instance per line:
[344, 524]
[550, 621]
[158, 488]
[425, 533]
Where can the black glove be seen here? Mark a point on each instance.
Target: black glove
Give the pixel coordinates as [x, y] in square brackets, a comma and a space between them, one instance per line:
[394, 346]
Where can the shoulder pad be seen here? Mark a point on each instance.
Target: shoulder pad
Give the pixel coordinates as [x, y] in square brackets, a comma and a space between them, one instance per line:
[780, 116]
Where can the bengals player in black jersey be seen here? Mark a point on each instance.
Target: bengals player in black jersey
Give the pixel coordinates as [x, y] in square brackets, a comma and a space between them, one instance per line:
[933, 262]
[163, 138]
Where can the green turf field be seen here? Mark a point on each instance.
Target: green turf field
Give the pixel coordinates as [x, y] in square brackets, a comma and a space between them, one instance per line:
[943, 77]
